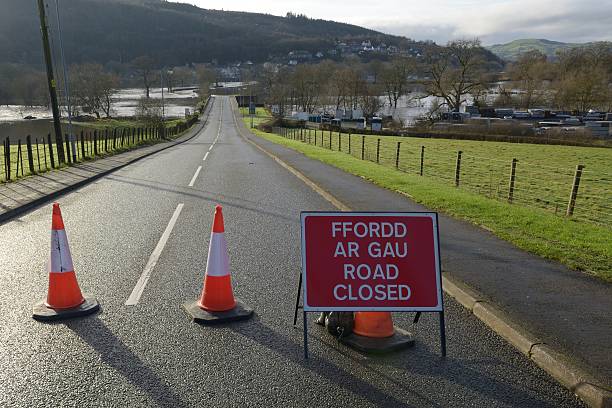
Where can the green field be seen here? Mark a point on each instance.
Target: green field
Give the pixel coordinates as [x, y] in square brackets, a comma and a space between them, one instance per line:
[577, 242]
[543, 178]
[261, 116]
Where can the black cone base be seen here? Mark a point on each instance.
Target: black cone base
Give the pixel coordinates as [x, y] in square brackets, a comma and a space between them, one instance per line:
[400, 340]
[44, 313]
[199, 315]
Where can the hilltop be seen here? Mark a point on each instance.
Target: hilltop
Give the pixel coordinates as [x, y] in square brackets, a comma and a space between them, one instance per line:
[510, 51]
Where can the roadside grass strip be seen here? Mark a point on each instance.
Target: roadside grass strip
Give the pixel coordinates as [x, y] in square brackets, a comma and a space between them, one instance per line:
[579, 245]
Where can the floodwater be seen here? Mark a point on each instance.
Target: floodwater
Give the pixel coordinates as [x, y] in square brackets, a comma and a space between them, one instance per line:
[14, 126]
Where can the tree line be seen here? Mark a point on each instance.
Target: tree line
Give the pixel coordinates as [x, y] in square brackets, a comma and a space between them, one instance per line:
[579, 79]
[450, 72]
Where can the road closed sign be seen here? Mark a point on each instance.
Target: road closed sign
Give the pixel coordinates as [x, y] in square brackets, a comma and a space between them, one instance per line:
[371, 261]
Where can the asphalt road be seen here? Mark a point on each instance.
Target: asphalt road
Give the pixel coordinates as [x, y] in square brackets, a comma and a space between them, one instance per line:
[151, 354]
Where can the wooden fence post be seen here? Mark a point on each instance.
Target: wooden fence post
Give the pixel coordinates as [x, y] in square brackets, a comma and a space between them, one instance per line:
[397, 155]
[19, 159]
[422, 159]
[50, 150]
[30, 154]
[45, 152]
[349, 147]
[378, 151]
[95, 143]
[512, 180]
[82, 145]
[68, 155]
[7, 159]
[571, 205]
[458, 169]
[362, 147]
[37, 155]
[339, 141]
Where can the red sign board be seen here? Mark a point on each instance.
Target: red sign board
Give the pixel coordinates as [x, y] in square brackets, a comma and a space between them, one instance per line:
[371, 261]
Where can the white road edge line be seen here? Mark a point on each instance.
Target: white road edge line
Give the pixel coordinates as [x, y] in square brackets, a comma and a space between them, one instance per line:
[195, 176]
[205, 156]
[146, 273]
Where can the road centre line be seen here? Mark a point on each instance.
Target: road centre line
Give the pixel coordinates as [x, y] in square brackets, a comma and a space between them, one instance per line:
[195, 176]
[148, 269]
[205, 156]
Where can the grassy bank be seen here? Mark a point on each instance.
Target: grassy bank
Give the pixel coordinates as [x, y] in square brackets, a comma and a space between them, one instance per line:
[580, 245]
[112, 136]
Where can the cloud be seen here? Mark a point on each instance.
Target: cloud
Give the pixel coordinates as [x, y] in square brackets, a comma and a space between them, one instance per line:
[492, 21]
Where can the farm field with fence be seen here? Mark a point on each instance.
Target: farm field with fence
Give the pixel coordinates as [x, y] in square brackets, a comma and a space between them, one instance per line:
[535, 220]
[544, 175]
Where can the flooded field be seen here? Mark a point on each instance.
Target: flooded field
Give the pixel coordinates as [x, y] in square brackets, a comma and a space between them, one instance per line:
[14, 126]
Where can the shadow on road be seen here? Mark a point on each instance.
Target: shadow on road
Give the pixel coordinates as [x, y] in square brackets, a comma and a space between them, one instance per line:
[469, 374]
[292, 351]
[116, 354]
[202, 195]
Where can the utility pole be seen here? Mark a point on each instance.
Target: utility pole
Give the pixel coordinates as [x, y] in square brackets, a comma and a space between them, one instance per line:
[51, 81]
[71, 135]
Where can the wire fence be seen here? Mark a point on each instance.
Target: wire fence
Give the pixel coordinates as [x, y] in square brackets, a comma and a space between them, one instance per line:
[33, 155]
[572, 192]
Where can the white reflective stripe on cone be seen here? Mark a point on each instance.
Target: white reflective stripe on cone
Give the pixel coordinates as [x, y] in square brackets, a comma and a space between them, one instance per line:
[60, 260]
[217, 263]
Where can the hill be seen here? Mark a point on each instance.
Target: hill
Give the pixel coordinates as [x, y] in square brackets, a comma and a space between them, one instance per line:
[121, 30]
[175, 34]
[510, 51]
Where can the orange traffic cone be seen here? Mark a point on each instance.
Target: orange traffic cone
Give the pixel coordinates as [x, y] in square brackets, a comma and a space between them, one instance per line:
[373, 324]
[216, 303]
[374, 332]
[64, 297]
[217, 294]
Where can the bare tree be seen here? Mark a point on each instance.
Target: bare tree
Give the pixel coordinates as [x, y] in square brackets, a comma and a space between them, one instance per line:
[528, 74]
[583, 78]
[455, 72]
[395, 79]
[144, 66]
[93, 88]
[206, 77]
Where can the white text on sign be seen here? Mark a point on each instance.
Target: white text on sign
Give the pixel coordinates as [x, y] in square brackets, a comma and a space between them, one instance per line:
[355, 271]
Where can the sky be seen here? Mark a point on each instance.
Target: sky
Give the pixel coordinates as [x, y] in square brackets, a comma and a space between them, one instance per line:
[493, 21]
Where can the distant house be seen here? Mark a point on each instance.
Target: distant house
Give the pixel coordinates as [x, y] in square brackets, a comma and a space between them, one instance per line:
[300, 55]
[319, 54]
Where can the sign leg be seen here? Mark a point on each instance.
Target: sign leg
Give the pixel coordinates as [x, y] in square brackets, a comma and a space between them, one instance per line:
[442, 334]
[416, 318]
[297, 301]
[305, 337]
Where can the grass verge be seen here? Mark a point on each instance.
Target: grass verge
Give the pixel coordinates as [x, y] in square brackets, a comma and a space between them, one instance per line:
[581, 246]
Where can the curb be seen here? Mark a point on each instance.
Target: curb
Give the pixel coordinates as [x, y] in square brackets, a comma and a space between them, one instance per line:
[14, 212]
[557, 365]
